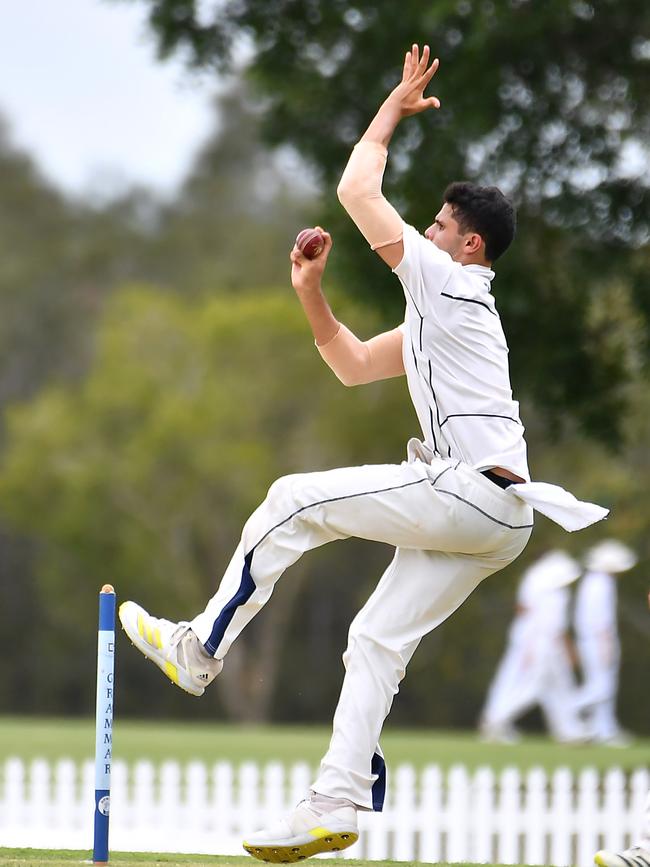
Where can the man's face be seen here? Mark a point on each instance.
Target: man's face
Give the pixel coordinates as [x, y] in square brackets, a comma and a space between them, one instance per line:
[445, 233]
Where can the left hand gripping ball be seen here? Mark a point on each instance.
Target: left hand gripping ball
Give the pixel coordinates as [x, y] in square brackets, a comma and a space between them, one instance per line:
[310, 242]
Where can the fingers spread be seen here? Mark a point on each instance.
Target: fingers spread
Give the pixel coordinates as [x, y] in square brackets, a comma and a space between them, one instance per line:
[431, 71]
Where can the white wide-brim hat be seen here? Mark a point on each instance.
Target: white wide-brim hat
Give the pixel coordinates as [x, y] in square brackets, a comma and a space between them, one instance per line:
[610, 556]
[555, 569]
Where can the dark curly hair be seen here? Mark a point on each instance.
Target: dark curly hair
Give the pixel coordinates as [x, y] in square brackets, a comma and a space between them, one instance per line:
[486, 211]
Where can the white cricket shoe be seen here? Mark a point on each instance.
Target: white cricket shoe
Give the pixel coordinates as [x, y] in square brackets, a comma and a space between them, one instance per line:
[318, 824]
[637, 856]
[499, 734]
[172, 646]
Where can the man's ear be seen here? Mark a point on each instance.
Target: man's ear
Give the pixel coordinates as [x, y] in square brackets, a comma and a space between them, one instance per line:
[473, 243]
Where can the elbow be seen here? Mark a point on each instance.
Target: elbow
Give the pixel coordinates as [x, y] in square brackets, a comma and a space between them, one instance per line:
[349, 379]
[346, 193]
[342, 192]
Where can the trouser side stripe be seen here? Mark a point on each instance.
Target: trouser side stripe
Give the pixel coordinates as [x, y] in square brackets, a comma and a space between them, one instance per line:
[241, 597]
[378, 767]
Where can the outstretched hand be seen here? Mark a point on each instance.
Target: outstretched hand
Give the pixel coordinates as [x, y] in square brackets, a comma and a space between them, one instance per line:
[416, 75]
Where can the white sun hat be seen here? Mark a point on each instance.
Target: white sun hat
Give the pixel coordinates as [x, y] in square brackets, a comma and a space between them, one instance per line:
[610, 556]
[553, 570]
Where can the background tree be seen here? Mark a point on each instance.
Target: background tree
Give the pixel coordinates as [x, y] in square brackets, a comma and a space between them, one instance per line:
[533, 98]
[235, 217]
[61, 260]
[143, 473]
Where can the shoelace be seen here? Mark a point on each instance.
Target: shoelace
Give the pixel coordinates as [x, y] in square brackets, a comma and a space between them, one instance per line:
[322, 804]
[177, 636]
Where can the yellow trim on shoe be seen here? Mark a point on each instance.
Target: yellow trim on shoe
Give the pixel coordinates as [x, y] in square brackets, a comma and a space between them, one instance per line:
[172, 672]
[325, 842]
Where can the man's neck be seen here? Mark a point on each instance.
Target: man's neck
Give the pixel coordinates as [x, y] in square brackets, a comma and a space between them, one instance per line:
[474, 260]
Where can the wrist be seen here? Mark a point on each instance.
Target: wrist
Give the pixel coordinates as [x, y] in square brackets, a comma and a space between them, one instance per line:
[327, 333]
[383, 125]
[309, 290]
[392, 106]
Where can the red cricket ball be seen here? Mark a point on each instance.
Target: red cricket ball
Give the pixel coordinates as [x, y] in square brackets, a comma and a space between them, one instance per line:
[310, 242]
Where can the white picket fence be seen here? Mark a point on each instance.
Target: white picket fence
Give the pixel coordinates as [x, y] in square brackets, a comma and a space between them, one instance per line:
[507, 818]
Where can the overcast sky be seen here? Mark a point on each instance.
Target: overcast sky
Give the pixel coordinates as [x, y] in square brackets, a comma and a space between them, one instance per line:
[83, 93]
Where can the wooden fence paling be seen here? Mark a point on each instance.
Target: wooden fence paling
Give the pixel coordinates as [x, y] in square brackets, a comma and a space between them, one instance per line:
[535, 818]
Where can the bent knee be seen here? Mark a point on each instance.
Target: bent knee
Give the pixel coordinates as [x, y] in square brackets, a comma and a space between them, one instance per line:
[281, 489]
[367, 650]
[297, 491]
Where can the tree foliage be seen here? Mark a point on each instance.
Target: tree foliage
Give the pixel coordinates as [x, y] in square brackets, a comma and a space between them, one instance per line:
[533, 99]
[61, 260]
[142, 474]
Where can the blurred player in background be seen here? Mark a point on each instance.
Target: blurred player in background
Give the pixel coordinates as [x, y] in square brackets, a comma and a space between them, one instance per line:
[596, 632]
[537, 668]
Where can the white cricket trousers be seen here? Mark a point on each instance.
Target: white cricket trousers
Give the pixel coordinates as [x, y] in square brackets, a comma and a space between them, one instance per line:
[600, 660]
[451, 527]
[535, 669]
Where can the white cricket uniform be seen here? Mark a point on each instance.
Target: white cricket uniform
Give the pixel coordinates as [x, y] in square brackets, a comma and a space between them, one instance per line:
[535, 668]
[450, 525]
[599, 651]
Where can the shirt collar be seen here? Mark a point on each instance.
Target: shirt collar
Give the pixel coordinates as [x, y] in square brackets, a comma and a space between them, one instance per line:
[481, 270]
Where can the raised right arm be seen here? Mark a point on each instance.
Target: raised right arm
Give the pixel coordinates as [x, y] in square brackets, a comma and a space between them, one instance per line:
[359, 190]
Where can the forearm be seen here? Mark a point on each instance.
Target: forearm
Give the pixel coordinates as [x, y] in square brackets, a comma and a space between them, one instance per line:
[323, 323]
[346, 355]
[383, 124]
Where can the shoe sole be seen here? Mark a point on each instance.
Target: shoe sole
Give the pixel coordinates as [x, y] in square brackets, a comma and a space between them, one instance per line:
[171, 671]
[290, 853]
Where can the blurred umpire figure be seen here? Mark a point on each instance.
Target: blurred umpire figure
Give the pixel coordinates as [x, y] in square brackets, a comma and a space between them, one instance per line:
[596, 632]
[536, 668]
[457, 510]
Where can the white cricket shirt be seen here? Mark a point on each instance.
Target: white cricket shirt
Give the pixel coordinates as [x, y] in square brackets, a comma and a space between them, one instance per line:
[456, 360]
[595, 606]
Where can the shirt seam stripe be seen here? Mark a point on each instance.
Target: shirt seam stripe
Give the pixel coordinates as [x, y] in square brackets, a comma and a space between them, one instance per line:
[479, 415]
[471, 301]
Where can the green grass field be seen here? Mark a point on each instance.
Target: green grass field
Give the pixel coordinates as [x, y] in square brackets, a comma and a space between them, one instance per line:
[58, 738]
[47, 858]
[54, 857]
